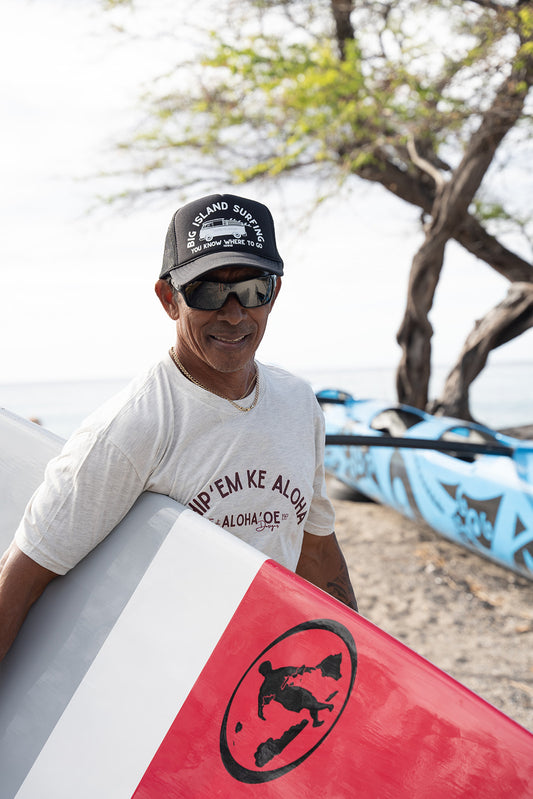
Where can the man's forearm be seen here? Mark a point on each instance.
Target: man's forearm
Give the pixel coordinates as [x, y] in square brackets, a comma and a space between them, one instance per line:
[340, 586]
[22, 581]
[322, 563]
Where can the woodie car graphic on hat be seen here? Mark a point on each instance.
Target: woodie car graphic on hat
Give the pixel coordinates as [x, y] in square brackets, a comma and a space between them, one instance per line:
[222, 227]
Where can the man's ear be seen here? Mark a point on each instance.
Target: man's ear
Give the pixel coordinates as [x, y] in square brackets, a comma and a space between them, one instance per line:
[167, 298]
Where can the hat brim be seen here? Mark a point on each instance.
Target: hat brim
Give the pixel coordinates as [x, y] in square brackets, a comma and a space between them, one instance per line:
[217, 260]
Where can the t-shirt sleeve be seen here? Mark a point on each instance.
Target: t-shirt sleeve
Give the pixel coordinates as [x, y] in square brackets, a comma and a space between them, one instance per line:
[321, 518]
[86, 492]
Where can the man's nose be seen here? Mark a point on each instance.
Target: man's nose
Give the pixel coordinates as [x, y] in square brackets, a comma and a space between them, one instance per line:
[232, 311]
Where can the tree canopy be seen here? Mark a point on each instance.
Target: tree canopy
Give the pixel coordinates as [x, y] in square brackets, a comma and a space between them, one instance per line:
[429, 99]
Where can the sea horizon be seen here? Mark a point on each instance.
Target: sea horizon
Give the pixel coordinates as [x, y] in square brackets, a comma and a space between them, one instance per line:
[501, 397]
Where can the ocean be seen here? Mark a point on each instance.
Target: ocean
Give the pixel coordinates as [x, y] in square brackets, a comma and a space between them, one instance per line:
[502, 396]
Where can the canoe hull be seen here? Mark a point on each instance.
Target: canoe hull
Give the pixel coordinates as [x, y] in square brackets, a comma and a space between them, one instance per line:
[484, 503]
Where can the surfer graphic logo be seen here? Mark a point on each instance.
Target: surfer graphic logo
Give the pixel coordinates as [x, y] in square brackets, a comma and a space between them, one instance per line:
[288, 701]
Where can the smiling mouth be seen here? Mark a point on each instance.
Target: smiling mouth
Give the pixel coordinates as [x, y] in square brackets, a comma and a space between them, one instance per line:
[227, 340]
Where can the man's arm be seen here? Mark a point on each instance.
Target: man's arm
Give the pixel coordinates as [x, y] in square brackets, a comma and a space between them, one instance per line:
[322, 563]
[22, 581]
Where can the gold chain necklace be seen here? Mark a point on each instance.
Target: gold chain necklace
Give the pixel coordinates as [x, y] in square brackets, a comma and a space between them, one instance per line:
[183, 370]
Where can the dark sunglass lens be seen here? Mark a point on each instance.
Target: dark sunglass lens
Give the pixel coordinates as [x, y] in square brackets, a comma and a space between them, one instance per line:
[210, 296]
[256, 292]
[204, 296]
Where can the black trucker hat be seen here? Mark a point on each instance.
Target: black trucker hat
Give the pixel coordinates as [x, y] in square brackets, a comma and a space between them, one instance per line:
[220, 230]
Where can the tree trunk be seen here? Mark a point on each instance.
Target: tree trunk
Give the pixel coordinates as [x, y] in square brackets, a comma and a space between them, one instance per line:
[449, 211]
[414, 336]
[507, 320]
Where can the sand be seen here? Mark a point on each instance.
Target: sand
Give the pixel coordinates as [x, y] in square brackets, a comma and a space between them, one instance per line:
[467, 615]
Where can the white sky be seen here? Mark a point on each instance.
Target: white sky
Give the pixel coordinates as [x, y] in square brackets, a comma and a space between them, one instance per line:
[76, 290]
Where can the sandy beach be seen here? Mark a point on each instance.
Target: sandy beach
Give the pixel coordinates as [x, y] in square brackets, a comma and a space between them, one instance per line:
[467, 615]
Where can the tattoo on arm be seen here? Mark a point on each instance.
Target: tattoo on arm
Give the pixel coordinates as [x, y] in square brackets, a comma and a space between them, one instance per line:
[322, 563]
[339, 584]
[341, 587]
[342, 590]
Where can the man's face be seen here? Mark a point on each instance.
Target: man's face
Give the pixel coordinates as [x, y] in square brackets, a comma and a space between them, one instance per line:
[226, 340]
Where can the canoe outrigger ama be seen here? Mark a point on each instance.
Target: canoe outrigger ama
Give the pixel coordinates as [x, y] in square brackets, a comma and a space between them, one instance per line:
[468, 482]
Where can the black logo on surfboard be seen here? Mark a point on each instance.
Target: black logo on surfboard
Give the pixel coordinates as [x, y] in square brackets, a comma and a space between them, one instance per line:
[288, 701]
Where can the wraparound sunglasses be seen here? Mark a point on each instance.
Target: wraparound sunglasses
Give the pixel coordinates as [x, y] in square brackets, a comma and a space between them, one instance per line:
[207, 295]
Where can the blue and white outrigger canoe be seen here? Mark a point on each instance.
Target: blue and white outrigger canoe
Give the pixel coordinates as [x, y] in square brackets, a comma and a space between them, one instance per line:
[468, 482]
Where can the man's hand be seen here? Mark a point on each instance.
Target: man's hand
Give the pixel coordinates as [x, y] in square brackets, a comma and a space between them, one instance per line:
[22, 581]
[322, 563]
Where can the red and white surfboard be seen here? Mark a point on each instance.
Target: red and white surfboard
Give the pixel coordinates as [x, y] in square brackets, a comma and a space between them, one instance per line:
[176, 661]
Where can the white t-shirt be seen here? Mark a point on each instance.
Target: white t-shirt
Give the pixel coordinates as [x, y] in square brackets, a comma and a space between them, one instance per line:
[259, 474]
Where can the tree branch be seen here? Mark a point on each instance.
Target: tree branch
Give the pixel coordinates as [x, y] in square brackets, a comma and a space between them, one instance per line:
[424, 165]
[508, 319]
[344, 30]
[470, 233]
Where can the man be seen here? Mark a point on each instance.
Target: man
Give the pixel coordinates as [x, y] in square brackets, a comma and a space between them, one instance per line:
[238, 442]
